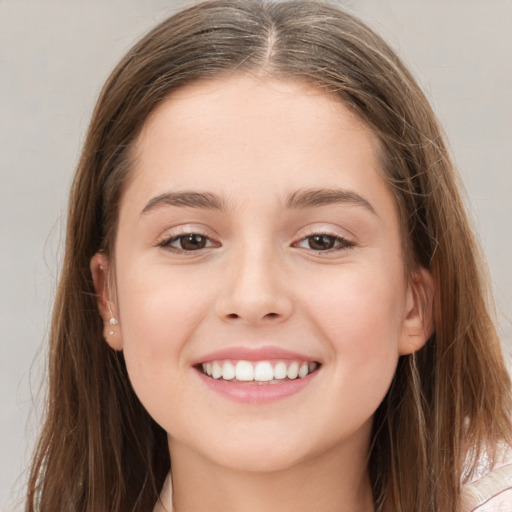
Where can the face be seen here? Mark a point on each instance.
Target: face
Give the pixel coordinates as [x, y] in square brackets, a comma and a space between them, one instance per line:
[258, 275]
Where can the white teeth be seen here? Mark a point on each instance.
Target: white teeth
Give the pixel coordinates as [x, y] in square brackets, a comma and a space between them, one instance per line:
[303, 370]
[228, 371]
[293, 371]
[261, 371]
[244, 371]
[280, 371]
[216, 370]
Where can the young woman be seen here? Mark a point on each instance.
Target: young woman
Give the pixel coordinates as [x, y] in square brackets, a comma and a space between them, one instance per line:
[271, 297]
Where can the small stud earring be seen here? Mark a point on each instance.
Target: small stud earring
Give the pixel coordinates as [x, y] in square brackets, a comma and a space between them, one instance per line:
[112, 320]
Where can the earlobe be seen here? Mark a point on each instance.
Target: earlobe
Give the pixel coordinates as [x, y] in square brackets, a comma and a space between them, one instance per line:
[418, 324]
[100, 271]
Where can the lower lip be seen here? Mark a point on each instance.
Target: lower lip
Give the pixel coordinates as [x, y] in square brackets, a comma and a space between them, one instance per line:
[256, 393]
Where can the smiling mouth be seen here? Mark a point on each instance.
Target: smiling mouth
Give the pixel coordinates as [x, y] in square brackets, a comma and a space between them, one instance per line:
[258, 372]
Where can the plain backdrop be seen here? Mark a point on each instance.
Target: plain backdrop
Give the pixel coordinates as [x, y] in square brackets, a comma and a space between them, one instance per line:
[54, 57]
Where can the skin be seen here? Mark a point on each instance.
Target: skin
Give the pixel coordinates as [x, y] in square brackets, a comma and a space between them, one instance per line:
[259, 280]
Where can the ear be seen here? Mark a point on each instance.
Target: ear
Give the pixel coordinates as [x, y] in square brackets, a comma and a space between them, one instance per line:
[101, 277]
[418, 324]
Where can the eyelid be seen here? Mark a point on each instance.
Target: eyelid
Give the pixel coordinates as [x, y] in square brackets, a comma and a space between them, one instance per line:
[186, 229]
[345, 243]
[348, 242]
[326, 229]
[179, 231]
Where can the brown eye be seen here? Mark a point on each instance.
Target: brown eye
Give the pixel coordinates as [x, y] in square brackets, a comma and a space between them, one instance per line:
[187, 243]
[192, 242]
[321, 242]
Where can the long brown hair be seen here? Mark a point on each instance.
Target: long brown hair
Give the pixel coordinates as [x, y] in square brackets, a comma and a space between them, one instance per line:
[99, 450]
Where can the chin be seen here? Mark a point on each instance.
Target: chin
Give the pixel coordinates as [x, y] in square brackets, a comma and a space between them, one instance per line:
[255, 460]
[250, 452]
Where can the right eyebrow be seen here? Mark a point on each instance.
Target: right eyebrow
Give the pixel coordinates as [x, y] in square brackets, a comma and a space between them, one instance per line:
[185, 199]
[311, 198]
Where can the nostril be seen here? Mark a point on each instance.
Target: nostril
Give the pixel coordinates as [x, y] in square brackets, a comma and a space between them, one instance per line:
[268, 315]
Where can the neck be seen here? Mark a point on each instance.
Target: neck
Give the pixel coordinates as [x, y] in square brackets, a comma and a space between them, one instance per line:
[329, 482]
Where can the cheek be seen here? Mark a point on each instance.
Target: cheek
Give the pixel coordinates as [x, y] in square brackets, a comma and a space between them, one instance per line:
[157, 309]
[158, 316]
[362, 304]
[360, 314]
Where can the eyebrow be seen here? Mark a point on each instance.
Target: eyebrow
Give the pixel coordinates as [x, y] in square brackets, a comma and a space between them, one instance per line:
[310, 198]
[304, 198]
[203, 200]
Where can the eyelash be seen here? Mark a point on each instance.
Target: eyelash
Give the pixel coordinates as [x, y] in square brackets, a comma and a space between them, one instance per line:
[167, 243]
[339, 243]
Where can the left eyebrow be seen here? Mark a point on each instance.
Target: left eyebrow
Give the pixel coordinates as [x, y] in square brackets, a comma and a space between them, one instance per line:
[203, 200]
[310, 198]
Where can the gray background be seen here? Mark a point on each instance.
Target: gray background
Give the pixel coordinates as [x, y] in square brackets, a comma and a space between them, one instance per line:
[54, 56]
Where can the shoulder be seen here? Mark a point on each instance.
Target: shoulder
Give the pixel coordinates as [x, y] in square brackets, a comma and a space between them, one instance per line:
[492, 490]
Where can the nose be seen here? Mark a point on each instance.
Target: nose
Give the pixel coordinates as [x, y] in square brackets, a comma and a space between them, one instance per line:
[255, 290]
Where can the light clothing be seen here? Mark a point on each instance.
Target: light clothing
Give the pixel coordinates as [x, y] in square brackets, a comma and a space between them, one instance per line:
[164, 504]
[491, 493]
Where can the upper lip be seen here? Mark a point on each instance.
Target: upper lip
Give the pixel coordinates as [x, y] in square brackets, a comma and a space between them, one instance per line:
[252, 354]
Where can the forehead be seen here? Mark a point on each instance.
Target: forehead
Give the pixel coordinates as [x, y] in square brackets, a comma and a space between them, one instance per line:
[252, 133]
